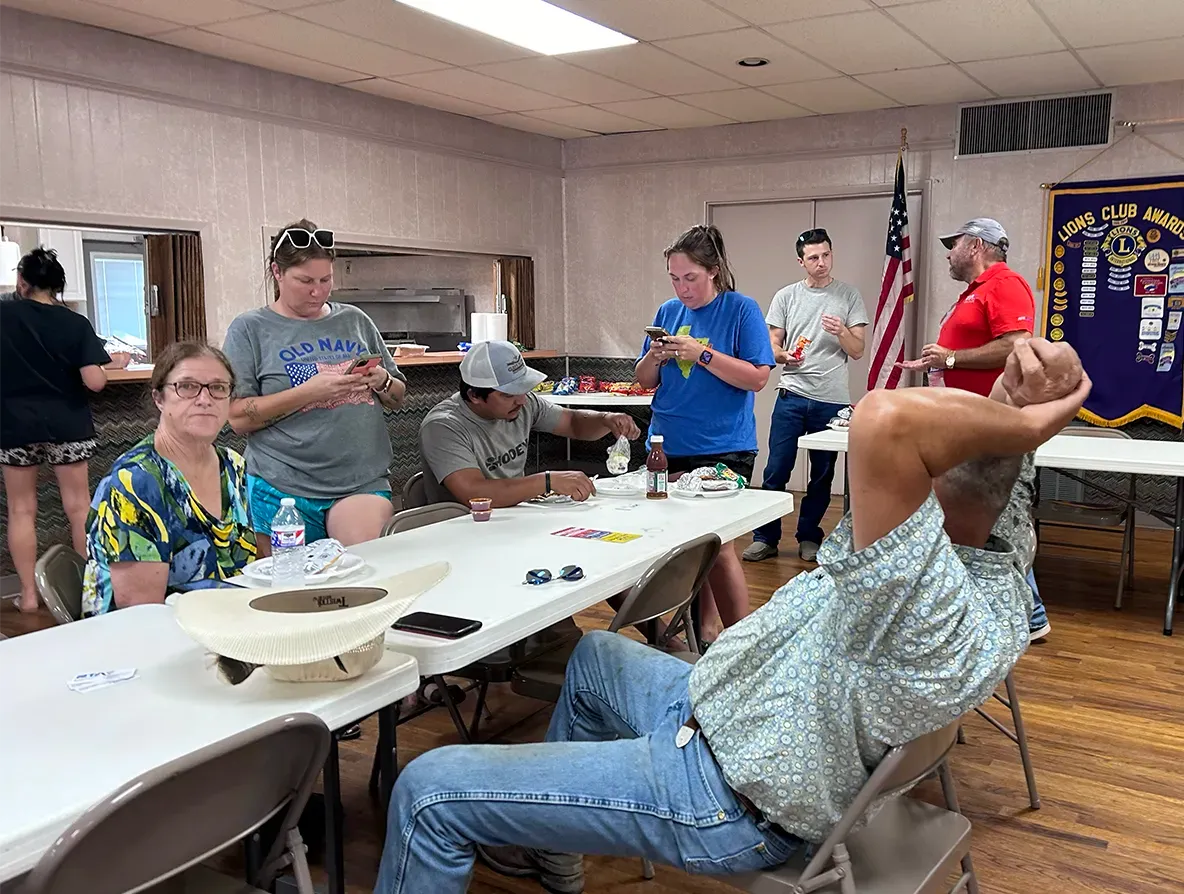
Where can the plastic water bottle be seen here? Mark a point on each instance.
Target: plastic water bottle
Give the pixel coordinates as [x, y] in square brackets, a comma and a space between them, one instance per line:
[287, 547]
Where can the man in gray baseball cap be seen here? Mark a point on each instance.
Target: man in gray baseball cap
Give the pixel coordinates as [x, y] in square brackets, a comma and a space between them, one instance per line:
[985, 228]
[474, 443]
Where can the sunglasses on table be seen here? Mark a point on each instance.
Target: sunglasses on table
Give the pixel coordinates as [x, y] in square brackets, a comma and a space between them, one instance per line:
[302, 238]
[539, 576]
[189, 390]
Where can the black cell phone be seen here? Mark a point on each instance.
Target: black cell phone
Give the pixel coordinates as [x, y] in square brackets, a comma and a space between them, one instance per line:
[656, 332]
[431, 624]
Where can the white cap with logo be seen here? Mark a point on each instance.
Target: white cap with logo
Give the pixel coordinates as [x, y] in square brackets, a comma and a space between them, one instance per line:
[984, 228]
[498, 365]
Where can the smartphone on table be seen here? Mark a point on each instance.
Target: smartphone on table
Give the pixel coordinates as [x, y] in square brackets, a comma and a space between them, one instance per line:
[362, 364]
[431, 624]
[656, 333]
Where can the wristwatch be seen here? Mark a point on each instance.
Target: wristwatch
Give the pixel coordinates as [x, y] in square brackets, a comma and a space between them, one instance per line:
[950, 360]
[705, 358]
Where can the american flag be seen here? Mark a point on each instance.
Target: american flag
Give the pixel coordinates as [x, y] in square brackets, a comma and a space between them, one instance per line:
[896, 291]
[299, 373]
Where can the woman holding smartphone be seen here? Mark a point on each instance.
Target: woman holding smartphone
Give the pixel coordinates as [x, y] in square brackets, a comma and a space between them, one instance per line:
[313, 380]
[706, 372]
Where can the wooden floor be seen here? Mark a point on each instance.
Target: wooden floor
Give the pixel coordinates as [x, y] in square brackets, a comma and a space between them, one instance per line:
[1103, 699]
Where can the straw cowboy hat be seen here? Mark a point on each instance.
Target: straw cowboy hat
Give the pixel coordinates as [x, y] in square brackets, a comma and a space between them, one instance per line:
[310, 634]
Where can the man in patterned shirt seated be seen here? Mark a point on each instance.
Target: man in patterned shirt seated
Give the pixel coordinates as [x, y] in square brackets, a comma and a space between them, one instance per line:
[912, 618]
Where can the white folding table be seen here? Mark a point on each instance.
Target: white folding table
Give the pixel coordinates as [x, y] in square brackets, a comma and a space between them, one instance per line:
[64, 751]
[1131, 457]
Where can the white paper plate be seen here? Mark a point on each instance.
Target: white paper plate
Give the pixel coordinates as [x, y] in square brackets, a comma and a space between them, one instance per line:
[627, 485]
[704, 494]
[259, 571]
[567, 503]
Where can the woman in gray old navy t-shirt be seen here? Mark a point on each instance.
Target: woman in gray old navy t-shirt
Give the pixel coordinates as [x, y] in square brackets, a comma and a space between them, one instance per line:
[313, 432]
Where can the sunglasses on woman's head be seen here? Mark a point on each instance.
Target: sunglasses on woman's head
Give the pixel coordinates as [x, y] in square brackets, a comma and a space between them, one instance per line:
[302, 238]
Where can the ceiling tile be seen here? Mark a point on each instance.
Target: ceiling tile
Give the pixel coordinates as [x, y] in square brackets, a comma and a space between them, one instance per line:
[719, 52]
[926, 86]
[469, 85]
[1032, 75]
[666, 112]
[1140, 63]
[301, 38]
[94, 14]
[229, 48]
[202, 12]
[653, 19]
[1094, 23]
[857, 42]
[744, 105]
[766, 12]
[650, 69]
[537, 125]
[277, 4]
[962, 30]
[396, 25]
[832, 96]
[561, 79]
[393, 90]
[593, 119]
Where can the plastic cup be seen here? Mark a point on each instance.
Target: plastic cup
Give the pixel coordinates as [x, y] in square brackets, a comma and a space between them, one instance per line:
[482, 508]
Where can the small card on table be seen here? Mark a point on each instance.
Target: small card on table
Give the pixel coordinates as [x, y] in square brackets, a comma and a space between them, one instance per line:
[92, 680]
[592, 534]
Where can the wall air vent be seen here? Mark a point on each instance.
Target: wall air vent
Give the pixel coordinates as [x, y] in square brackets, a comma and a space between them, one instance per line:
[1055, 122]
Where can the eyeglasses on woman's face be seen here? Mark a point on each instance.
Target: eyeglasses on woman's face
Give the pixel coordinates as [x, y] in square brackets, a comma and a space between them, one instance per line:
[188, 389]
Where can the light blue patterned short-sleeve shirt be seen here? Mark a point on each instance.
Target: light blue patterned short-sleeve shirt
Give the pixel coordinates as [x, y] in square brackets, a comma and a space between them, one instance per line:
[801, 700]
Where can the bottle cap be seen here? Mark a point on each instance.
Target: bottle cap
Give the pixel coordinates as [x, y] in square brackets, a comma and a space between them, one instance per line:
[288, 501]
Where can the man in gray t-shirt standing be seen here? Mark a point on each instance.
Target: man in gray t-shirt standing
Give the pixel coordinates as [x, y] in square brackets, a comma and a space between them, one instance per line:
[816, 325]
[474, 443]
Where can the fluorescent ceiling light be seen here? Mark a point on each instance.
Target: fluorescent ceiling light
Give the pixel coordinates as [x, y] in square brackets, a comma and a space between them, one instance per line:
[533, 24]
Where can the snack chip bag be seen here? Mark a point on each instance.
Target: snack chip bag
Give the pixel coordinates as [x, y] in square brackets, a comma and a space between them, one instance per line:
[799, 347]
[618, 456]
[588, 385]
[566, 385]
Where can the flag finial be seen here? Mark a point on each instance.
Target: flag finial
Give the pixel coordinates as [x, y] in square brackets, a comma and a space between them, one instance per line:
[904, 139]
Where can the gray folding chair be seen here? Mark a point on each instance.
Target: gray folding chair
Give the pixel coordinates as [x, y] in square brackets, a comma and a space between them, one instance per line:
[668, 586]
[414, 492]
[1116, 516]
[908, 846]
[1012, 703]
[166, 821]
[58, 574]
[409, 519]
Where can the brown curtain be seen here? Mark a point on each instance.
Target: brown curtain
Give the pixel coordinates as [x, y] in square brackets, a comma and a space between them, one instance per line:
[176, 290]
[516, 276]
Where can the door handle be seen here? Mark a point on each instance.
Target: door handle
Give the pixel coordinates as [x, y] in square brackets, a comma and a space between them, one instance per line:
[154, 302]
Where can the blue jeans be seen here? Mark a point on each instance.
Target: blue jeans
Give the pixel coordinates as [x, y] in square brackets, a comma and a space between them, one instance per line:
[1039, 615]
[608, 780]
[793, 417]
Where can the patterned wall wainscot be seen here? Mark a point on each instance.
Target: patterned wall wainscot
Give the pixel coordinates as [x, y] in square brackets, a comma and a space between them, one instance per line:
[124, 414]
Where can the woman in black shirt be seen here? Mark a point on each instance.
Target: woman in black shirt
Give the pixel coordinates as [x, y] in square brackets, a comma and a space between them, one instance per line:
[49, 358]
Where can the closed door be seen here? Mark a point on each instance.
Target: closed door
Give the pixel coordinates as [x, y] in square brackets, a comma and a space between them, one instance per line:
[760, 244]
[759, 239]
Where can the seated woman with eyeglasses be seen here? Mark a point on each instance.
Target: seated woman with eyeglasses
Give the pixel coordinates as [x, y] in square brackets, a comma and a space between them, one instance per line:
[172, 515]
[314, 425]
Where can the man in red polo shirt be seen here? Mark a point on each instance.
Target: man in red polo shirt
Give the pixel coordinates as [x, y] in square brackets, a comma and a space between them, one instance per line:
[997, 308]
[975, 340]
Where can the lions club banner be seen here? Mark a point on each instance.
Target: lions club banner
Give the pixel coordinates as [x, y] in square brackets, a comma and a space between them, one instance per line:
[1114, 289]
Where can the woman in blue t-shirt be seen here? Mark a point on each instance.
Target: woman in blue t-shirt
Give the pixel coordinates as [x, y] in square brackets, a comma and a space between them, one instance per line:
[707, 374]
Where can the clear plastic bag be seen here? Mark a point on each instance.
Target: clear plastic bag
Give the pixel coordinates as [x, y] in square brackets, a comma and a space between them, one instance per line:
[618, 456]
